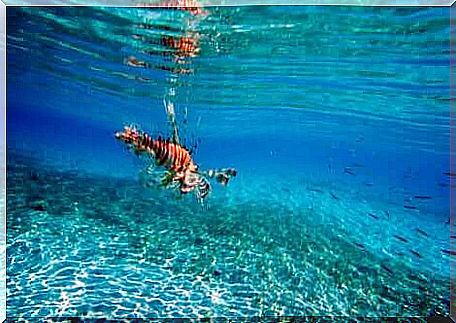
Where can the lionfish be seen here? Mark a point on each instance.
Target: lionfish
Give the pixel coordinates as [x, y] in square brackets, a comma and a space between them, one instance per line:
[181, 172]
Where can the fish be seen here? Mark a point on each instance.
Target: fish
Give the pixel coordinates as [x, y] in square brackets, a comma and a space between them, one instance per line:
[348, 170]
[400, 238]
[359, 245]
[449, 252]
[450, 174]
[387, 213]
[373, 215]
[333, 195]
[410, 207]
[181, 171]
[422, 232]
[416, 253]
[369, 184]
[387, 269]
[423, 197]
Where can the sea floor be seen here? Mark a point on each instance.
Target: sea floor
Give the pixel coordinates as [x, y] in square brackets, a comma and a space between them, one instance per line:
[80, 245]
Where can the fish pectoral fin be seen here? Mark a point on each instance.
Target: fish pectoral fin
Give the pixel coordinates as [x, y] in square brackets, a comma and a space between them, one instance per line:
[151, 175]
[169, 179]
[202, 187]
[147, 179]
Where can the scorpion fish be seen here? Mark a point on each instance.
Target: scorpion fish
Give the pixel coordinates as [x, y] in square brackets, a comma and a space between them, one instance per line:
[181, 172]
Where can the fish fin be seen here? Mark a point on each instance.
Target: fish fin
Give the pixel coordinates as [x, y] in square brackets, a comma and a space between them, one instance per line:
[201, 191]
[150, 176]
[155, 175]
[170, 112]
[222, 176]
[203, 188]
[168, 180]
[202, 203]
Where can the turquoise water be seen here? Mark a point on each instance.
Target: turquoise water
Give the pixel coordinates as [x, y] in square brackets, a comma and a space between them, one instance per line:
[337, 120]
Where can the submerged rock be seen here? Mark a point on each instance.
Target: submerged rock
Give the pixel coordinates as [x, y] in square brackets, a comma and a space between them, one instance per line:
[39, 205]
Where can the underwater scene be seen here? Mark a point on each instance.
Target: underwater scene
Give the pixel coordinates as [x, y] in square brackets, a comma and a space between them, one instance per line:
[189, 161]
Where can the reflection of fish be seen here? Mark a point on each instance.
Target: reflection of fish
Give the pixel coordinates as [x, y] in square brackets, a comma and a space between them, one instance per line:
[186, 46]
[191, 6]
[182, 46]
[179, 47]
[134, 62]
[176, 70]
[181, 171]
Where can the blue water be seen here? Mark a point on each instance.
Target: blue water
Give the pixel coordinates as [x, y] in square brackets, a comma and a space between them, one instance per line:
[329, 114]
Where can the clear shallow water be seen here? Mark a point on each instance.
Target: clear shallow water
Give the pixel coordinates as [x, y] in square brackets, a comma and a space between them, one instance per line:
[337, 120]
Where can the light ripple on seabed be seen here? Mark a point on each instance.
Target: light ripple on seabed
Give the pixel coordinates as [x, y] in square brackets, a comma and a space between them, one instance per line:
[254, 253]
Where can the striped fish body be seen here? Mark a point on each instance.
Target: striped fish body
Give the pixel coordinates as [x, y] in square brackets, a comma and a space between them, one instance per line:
[172, 156]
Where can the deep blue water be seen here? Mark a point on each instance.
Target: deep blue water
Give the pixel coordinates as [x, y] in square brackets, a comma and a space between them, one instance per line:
[291, 97]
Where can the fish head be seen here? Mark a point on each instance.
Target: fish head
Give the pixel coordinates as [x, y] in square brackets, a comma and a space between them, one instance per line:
[129, 135]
